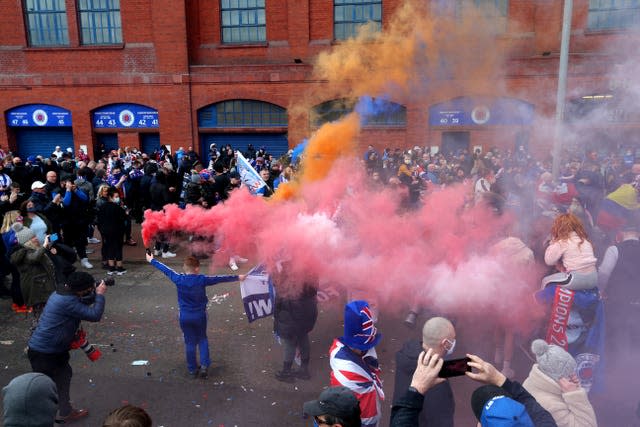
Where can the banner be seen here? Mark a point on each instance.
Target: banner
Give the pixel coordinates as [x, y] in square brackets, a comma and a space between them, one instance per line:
[577, 324]
[257, 294]
[248, 175]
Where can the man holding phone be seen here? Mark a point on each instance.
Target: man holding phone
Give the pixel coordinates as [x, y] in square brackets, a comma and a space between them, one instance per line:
[438, 337]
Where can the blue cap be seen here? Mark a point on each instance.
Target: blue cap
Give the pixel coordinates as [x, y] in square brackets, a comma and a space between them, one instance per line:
[502, 411]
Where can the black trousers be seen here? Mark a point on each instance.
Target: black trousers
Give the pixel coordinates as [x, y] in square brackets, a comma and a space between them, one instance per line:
[55, 366]
[292, 343]
[7, 268]
[75, 235]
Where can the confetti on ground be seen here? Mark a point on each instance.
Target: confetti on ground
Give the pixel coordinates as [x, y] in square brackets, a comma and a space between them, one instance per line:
[219, 299]
[139, 363]
[8, 342]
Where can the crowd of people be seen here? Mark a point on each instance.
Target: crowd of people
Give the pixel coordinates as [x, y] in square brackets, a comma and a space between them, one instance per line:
[583, 223]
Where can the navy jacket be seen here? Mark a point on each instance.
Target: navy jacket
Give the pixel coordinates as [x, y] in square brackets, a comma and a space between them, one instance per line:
[60, 321]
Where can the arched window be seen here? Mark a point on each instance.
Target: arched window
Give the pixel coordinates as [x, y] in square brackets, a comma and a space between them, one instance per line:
[239, 113]
[374, 112]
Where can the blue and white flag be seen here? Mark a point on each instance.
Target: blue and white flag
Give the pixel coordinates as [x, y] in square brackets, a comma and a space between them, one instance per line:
[248, 175]
[257, 294]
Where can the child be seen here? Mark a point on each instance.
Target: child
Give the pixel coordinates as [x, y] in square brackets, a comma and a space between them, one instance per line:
[571, 251]
[192, 301]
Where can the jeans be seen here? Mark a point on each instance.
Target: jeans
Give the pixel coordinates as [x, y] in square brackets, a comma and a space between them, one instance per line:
[194, 328]
[55, 366]
[291, 343]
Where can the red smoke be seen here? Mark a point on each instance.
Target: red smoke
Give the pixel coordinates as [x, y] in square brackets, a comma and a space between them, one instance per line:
[340, 231]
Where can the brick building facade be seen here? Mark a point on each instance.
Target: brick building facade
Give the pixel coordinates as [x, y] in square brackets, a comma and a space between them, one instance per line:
[172, 60]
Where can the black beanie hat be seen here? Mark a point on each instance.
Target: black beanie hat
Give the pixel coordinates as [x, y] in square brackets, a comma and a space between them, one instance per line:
[482, 395]
[79, 281]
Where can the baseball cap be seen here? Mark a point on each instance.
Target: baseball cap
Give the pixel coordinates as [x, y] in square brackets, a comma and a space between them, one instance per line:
[494, 407]
[37, 185]
[335, 401]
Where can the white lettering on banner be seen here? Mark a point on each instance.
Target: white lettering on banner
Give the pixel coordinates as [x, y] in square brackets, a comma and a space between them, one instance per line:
[328, 293]
[557, 332]
[262, 307]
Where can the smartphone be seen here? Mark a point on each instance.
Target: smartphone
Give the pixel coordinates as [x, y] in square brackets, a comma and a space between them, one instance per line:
[454, 368]
[148, 251]
[53, 237]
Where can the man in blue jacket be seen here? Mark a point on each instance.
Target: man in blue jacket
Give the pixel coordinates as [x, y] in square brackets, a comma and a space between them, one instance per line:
[79, 299]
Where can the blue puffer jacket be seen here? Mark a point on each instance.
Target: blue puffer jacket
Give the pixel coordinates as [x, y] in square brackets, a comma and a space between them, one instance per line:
[60, 320]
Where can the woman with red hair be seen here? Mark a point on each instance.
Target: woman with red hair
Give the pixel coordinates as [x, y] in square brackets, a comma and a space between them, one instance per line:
[571, 251]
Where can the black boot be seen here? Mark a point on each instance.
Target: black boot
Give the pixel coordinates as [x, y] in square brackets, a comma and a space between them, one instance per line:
[285, 375]
[303, 372]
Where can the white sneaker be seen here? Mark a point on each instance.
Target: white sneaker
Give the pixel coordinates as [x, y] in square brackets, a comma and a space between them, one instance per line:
[93, 240]
[156, 252]
[233, 265]
[168, 254]
[85, 263]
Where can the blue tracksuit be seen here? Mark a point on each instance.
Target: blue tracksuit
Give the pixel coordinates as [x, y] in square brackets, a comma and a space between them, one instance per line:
[192, 300]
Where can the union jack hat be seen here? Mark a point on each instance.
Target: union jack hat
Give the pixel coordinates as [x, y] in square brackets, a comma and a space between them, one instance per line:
[360, 331]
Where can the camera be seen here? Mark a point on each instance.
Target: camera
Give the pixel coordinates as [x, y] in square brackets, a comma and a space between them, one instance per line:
[109, 281]
[80, 341]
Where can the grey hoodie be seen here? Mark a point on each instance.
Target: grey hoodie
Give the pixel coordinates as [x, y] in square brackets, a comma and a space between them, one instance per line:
[30, 400]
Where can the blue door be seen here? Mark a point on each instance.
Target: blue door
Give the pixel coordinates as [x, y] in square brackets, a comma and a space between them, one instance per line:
[110, 141]
[43, 140]
[149, 142]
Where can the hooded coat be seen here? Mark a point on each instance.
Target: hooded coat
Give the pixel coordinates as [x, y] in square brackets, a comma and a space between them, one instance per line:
[571, 409]
[30, 400]
[37, 274]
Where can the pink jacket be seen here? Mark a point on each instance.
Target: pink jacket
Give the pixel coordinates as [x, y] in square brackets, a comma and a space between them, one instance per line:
[575, 256]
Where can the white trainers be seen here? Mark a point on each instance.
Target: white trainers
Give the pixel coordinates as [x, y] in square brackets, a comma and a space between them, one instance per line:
[233, 265]
[93, 240]
[85, 263]
[156, 252]
[168, 254]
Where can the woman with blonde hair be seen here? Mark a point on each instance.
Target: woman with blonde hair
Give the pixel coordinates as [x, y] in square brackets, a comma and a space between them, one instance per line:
[571, 251]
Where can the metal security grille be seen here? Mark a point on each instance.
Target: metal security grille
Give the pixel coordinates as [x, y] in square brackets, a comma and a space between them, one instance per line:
[243, 21]
[100, 22]
[46, 22]
[242, 113]
[610, 14]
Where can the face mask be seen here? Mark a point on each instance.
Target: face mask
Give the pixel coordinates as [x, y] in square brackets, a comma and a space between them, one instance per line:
[116, 200]
[32, 209]
[453, 346]
[407, 162]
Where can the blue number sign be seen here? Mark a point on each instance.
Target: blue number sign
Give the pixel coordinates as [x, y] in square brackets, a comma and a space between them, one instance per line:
[38, 115]
[125, 116]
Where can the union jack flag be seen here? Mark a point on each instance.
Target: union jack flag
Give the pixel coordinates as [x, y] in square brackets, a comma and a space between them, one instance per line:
[368, 327]
[361, 375]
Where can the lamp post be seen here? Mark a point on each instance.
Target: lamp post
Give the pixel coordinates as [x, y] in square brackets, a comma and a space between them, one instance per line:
[562, 87]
